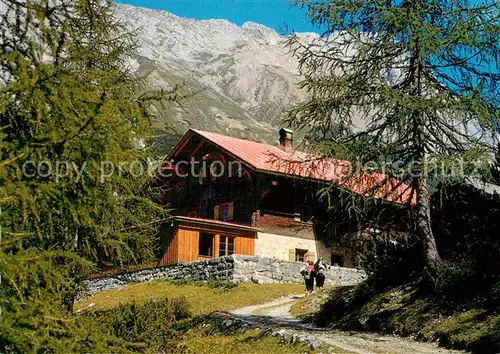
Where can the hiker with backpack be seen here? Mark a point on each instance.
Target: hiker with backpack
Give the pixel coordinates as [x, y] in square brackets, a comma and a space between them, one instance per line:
[320, 272]
[309, 273]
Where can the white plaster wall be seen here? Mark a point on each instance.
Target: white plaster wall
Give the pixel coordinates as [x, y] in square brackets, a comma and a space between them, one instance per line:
[278, 246]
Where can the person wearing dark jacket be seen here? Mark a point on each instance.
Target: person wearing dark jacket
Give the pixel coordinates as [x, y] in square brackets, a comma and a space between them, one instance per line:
[320, 273]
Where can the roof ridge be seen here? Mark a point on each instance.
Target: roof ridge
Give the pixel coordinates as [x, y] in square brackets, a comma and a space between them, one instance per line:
[232, 137]
[199, 131]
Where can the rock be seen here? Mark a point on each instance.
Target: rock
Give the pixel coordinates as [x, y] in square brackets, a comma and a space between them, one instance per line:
[315, 345]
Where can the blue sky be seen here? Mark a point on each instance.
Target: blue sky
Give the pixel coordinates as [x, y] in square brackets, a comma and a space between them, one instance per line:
[277, 14]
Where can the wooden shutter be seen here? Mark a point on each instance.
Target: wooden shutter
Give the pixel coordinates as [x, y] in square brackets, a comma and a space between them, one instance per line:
[291, 254]
[216, 245]
[216, 212]
[230, 211]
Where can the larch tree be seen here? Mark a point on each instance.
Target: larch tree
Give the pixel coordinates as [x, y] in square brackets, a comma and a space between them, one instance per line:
[408, 84]
[73, 126]
[495, 171]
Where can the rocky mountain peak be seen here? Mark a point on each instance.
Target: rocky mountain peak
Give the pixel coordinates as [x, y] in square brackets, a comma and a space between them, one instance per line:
[244, 77]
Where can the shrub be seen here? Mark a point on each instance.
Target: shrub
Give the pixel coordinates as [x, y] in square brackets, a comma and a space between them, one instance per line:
[457, 280]
[150, 322]
[466, 223]
[495, 295]
[390, 260]
[342, 307]
[180, 308]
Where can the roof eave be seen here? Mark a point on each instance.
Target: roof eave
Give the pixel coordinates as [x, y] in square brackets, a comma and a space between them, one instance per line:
[178, 147]
[209, 223]
[318, 180]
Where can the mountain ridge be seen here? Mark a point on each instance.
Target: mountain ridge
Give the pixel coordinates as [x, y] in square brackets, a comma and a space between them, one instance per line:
[244, 76]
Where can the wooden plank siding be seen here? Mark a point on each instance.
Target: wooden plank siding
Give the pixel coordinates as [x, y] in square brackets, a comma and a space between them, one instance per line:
[216, 245]
[244, 245]
[171, 252]
[183, 245]
[188, 245]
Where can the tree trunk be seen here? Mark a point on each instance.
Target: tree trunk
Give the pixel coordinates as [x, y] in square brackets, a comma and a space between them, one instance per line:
[421, 183]
[424, 230]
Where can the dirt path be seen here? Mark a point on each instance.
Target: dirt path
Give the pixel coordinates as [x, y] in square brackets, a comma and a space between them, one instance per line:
[276, 315]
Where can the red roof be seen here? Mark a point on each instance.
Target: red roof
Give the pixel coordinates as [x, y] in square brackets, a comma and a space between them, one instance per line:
[273, 159]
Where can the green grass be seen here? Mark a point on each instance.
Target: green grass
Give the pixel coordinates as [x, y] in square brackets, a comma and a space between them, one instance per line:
[203, 298]
[307, 306]
[141, 315]
[206, 339]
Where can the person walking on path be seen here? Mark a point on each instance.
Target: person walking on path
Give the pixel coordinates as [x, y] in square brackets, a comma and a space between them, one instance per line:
[320, 273]
[309, 273]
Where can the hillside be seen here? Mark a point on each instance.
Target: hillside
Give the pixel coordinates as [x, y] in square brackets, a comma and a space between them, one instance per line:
[243, 77]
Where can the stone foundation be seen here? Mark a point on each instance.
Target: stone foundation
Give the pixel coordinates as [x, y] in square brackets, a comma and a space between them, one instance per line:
[271, 270]
[235, 268]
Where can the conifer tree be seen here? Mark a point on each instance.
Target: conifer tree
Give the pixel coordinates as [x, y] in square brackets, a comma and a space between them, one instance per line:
[495, 170]
[73, 166]
[410, 83]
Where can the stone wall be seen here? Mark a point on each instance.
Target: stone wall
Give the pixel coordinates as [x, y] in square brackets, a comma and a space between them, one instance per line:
[220, 268]
[271, 270]
[235, 268]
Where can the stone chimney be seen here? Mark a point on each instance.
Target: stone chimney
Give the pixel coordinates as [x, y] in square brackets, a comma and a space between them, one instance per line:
[286, 139]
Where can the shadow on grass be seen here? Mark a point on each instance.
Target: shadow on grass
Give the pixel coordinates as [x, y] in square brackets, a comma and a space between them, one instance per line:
[408, 311]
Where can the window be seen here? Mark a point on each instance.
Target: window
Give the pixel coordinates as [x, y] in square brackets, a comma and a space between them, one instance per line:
[205, 246]
[226, 246]
[306, 213]
[222, 246]
[337, 260]
[300, 255]
[224, 212]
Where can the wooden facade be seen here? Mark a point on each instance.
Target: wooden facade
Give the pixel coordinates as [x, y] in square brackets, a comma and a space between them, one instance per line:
[193, 239]
[237, 186]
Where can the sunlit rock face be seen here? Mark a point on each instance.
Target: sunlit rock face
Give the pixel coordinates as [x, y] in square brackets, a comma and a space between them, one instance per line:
[244, 78]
